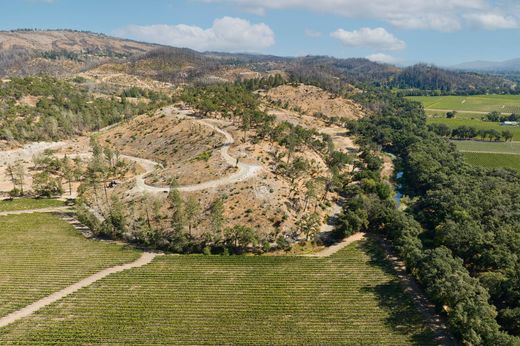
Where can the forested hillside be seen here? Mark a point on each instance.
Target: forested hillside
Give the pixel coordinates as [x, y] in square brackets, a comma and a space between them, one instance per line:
[422, 77]
[45, 108]
[172, 64]
[460, 232]
[62, 52]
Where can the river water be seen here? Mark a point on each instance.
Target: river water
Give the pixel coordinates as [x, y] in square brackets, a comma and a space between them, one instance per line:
[398, 194]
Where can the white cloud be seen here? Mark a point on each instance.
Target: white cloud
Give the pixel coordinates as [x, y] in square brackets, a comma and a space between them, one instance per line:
[377, 38]
[383, 58]
[227, 34]
[492, 21]
[440, 15]
[312, 33]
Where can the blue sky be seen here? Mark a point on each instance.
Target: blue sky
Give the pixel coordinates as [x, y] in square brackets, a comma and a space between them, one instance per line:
[444, 32]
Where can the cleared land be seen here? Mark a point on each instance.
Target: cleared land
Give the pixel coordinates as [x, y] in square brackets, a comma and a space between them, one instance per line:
[42, 254]
[479, 103]
[494, 160]
[477, 124]
[351, 297]
[29, 203]
[309, 100]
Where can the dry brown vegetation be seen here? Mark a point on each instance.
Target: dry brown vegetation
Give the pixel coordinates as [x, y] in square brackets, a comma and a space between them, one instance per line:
[311, 100]
[267, 202]
[69, 41]
[185, 149]
[116, 75]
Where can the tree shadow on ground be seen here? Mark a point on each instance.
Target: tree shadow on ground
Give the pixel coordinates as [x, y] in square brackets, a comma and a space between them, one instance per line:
[403, 317]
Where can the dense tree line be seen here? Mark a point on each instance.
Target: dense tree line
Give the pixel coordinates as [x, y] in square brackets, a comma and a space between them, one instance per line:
[469, 132]
[62, 109]
[265, 83]
[425, 79]
[336, 75]
[460, 233]
[498, 117]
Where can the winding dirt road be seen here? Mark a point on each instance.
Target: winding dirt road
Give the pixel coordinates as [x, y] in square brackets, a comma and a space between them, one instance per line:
[245, 170]
[331, 250]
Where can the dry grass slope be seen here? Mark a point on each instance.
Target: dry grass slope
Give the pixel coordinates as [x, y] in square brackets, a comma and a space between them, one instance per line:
[310, 100]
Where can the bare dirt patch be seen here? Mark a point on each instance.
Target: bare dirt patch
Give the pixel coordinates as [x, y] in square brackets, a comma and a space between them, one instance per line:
[312, 100]
[185, 149]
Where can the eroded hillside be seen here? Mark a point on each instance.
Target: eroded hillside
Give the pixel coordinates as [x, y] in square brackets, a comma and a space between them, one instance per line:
[311, 100]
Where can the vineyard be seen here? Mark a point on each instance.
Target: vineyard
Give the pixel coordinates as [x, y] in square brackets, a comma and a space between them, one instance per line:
[494, 160]
[28, 203]
[480, 103]
[42, 254]
[488, 147]
[351, 297]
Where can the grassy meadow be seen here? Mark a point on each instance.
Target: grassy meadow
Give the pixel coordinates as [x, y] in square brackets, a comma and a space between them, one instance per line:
[477, 103]
[489, 147]
[477, 124]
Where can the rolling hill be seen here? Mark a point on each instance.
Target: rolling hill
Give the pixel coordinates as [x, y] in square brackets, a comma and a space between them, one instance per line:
[512, 65]
[65, 52]
[59, 52]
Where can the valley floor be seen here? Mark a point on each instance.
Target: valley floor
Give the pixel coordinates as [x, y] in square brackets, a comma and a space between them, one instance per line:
[351, 297]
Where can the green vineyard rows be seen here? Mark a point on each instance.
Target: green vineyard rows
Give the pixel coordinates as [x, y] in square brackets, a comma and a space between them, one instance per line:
[494, 160]
[42, 254]
[29, 203]
[349, 298]
[479, 103]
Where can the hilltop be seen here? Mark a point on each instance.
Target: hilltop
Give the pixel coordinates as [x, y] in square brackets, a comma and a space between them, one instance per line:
[66, 52]
[58, 52]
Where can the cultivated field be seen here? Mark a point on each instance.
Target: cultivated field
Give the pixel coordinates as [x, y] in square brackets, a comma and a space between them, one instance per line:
[464, 115]
[489, 147]
[480, 103]
[494, 160]
[42, 254]
[477, 124]
[28, 203]
[351, 297]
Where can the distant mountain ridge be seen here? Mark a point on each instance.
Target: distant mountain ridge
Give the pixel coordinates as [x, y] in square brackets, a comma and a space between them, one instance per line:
[59, 52]
[512, 65]
[70, 41]
[67, 52]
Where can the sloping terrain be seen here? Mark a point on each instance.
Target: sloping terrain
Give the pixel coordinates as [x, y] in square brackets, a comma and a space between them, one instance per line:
[64, 52]
[311, 100]
[186, 150]
[71, 41]
[61, 52]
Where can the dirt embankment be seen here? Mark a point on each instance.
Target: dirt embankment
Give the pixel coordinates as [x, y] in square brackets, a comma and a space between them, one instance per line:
[311, 100]
[186, 150]
[266, 200]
